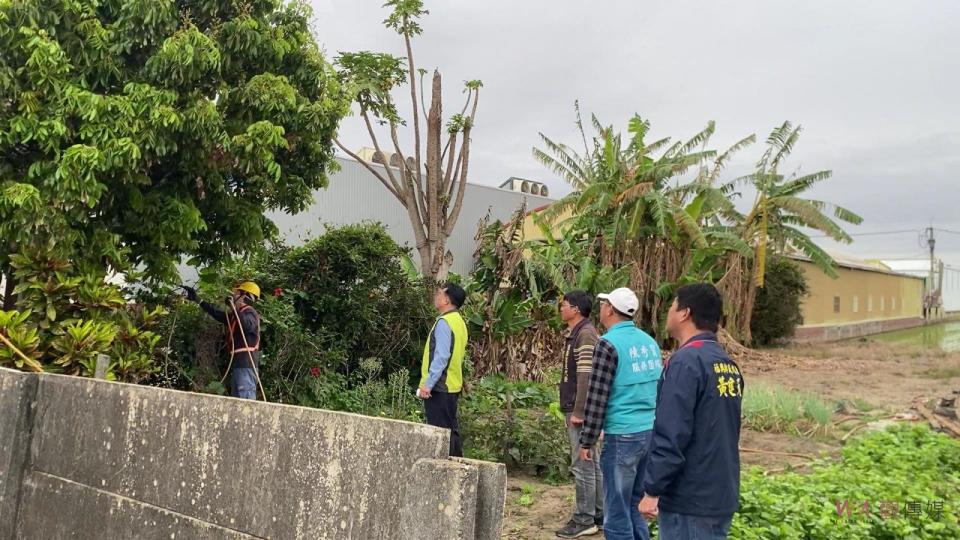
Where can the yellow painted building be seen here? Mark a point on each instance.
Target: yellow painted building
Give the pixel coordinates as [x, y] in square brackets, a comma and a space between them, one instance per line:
[531, 229]
[866, 298]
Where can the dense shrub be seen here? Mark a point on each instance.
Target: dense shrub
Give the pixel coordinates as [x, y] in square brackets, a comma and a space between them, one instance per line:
[193, 357]
[329, 306]
[65, 316]
[777, 309]
[351, 281]
[518, 423]
[888, 470]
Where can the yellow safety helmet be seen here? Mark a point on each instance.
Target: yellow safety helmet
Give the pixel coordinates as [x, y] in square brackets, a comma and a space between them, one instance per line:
[250, 287]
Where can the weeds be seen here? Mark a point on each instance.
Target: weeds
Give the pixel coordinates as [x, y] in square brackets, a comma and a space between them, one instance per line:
[775, 409]
[942, 373]
[862, 405]
[517, 423]
[526, 495]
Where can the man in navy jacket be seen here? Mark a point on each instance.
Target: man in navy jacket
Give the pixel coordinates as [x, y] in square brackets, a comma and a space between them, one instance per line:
[692, 479]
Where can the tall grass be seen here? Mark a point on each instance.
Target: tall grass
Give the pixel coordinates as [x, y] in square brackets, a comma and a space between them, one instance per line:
[776, 409]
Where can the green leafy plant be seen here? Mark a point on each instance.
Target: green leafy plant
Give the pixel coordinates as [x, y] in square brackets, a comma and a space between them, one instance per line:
[526, 495]
[67, 316]
[511, 422]
[77, 348]
[16, 329]
[885, 486]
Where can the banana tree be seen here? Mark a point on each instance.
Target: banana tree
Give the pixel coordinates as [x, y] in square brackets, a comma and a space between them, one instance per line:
[622, 190]
[780, 214]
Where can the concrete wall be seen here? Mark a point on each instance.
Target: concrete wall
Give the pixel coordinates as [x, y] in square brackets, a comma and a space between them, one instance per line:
[17, 392]
[808, 334]
[125, 461]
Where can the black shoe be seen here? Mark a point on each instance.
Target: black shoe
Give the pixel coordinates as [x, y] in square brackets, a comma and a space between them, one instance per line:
[598, 521]
[575, 530]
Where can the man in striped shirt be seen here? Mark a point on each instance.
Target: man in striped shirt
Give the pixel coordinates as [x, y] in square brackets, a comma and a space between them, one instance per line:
[581, 338]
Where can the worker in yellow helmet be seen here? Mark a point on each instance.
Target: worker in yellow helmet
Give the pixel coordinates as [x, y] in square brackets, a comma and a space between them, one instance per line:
[243, 336]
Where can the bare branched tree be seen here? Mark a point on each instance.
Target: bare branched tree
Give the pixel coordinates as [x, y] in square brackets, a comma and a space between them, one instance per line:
[430, 185]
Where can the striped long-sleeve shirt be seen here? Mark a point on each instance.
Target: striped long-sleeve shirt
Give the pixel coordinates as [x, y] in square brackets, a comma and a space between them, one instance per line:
[577, 365]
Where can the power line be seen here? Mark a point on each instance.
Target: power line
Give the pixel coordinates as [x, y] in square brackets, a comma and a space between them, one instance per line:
[946, 231]
[875, 233]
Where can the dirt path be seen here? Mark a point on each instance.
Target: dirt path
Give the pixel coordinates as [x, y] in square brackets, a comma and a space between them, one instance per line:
[881, 377]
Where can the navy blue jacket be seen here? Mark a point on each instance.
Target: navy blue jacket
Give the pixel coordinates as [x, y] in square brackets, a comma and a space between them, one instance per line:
[694, 462]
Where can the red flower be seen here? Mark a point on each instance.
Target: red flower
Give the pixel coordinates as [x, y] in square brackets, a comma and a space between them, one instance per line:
[278, 292]
[314, 372]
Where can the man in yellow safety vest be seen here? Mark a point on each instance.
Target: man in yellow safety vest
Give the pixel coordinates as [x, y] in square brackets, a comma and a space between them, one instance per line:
[441, 373]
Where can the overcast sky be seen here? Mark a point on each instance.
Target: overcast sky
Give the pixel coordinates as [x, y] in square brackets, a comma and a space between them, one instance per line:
[875, 84]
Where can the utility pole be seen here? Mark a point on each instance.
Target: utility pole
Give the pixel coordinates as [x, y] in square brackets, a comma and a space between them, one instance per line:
[931, 243]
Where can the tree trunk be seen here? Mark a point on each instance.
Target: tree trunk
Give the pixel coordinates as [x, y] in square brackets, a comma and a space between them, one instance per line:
[434, 218]
[426, 261]
[445, 262]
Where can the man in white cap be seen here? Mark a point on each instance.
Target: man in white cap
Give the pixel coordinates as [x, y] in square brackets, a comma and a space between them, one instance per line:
[621, 401]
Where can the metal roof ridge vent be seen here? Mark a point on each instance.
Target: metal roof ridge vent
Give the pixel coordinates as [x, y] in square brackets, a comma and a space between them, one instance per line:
[523, 185]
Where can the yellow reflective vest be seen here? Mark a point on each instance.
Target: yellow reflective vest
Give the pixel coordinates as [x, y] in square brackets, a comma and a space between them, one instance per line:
[452, 379]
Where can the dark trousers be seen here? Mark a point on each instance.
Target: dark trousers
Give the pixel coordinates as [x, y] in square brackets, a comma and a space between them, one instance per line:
[441, 411]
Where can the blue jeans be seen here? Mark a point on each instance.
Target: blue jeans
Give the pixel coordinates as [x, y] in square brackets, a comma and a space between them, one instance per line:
[623, 460]
[243, 383]
[686, 527]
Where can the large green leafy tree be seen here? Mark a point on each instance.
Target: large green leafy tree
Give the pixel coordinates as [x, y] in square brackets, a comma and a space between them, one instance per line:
[136, 132]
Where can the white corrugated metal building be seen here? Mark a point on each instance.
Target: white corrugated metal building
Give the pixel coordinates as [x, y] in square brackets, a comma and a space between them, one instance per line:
[355, 195]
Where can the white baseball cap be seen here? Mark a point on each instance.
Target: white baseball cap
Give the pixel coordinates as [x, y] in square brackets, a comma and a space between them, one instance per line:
[622, 300]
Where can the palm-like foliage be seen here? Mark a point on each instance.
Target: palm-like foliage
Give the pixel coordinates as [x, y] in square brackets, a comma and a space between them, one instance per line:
[623, 192]
[780, 213]
[658, 215]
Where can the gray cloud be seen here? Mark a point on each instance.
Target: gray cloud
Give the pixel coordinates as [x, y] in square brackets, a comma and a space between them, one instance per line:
[874, 84]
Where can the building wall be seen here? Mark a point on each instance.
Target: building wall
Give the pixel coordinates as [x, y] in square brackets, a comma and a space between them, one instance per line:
[921, 268]
[531, 230]
[355, 195]
[859, 296]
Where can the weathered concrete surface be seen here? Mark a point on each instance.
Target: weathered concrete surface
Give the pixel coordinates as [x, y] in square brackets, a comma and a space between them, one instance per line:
[445, 490]
[267, 470]
[83, 458]
[16, 398]
[64, 509]
[491, 497]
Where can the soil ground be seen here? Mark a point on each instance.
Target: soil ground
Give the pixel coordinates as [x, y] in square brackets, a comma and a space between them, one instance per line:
[868, 380]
